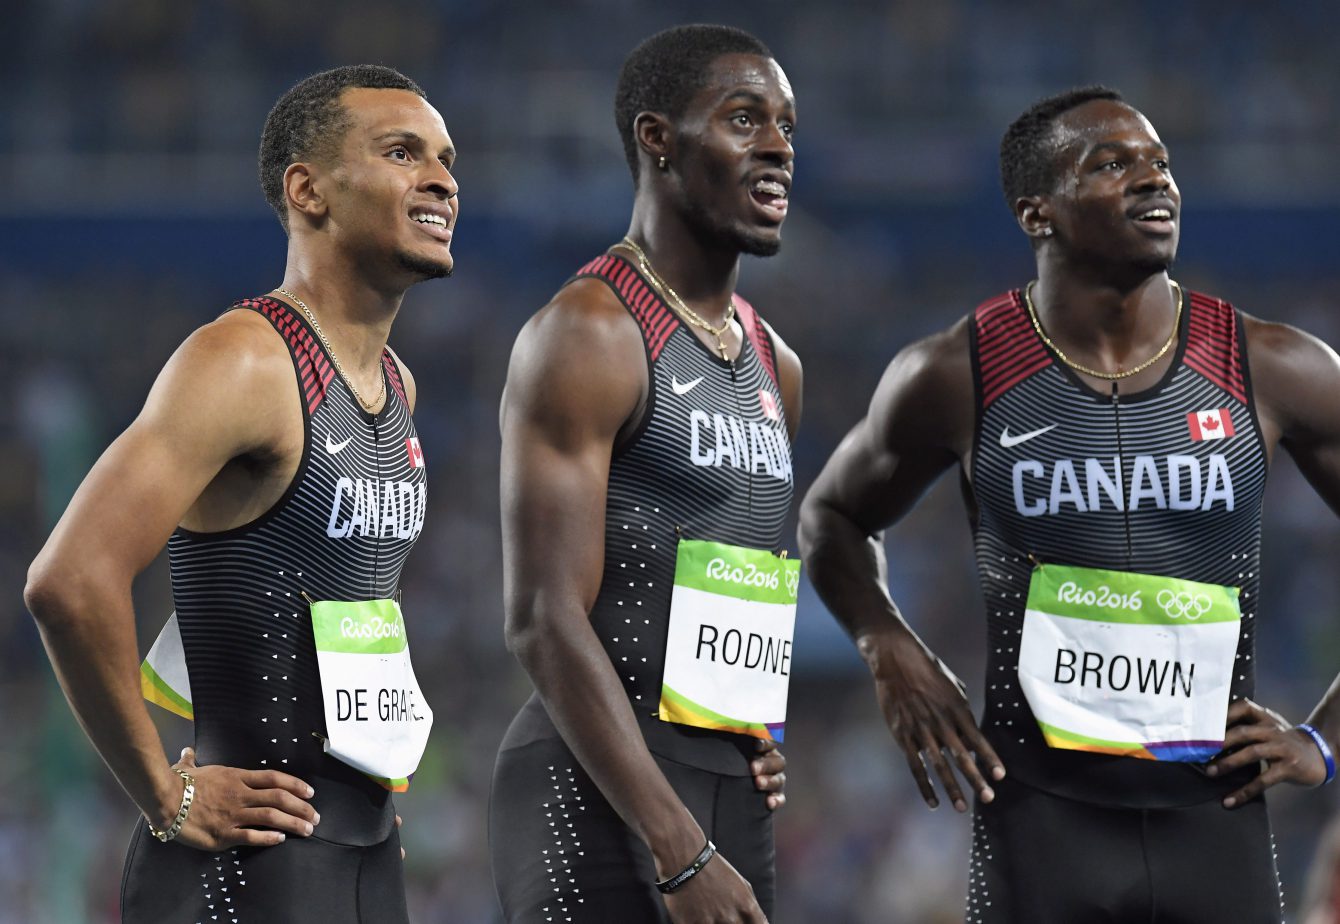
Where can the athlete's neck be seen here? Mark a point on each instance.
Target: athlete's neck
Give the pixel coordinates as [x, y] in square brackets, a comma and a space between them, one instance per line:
[1114, 323]
[703, 271]
[355, 314]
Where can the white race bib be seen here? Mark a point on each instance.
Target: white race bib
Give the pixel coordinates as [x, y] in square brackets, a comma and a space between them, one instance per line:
[1131, 664]
[728, 649]
[376, 717]
[377, 720]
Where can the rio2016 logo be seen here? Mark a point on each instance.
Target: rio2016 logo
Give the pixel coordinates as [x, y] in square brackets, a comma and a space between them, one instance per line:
[1103, 596]
[374, 628]
[793, 582]
[748, 575]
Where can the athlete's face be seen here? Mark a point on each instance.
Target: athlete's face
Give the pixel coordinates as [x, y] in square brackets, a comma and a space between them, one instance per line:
[395, 196]
[733, 152]
[1115, 201]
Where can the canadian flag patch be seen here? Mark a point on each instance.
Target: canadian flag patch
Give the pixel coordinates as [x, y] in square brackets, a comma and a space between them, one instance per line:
[769, 404]
[1210, 425]
[416, 452]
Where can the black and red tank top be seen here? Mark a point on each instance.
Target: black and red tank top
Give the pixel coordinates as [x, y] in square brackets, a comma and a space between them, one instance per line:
[1166, 481]
[710, 459]
[341, 531]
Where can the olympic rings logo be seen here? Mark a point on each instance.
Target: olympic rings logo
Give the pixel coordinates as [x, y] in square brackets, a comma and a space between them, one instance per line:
[1183, 604]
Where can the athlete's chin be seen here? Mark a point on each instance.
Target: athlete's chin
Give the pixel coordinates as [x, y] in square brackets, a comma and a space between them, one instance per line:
[760, 244]
[425, 267]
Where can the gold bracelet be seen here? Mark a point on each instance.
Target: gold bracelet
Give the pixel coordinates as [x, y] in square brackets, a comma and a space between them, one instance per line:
[187, 795]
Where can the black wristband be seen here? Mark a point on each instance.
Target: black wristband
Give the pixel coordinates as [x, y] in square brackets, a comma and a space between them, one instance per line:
[667, 886]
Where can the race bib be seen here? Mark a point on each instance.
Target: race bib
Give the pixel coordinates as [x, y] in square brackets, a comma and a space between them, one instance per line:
[163, 677]
[376, 717]
[728, 650]
[1131, 664]
[377, 720]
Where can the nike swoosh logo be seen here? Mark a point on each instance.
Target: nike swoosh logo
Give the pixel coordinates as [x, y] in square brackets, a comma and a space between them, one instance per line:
[1007, 441]
[685, 387]
[333, 448]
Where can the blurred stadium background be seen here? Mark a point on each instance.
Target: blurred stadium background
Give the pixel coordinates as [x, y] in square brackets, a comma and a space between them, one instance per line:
[130, 213]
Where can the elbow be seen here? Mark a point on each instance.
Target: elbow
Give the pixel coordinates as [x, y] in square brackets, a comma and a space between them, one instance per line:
[45, 595]
[56, 594]
[524, 629]
[809, 532]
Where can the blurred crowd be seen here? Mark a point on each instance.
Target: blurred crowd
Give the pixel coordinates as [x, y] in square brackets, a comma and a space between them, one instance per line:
[130, 213]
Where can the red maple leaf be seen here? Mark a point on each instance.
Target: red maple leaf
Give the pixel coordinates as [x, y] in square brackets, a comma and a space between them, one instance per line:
[1210, 423]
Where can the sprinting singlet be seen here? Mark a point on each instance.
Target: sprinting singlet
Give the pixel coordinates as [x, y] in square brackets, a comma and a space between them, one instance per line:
[1167, 481]
[341, 531]
[710, 460]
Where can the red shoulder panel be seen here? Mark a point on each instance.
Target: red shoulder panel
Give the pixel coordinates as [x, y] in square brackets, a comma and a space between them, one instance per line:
[1008, 348]
[315, 371]
[1212, 343]
[758, 336]
[657, 321]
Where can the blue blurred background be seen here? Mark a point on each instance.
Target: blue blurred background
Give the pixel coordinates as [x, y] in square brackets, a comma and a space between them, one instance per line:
[130, 213]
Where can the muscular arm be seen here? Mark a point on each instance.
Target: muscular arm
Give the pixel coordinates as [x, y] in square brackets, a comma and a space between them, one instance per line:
[919, 424]
[576, 379]
[202, 412]
[1295, 378]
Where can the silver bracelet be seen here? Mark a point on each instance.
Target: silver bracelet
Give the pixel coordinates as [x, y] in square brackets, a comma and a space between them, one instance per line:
[186, 796]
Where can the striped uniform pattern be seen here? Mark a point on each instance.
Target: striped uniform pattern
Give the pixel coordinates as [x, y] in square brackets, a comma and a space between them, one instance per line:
[711, 460]
[341, 531]
[1117, 483]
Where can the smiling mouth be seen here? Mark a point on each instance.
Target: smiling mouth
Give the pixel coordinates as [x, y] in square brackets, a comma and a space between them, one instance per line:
[772, 196]
[1152, 215]
[434, 224]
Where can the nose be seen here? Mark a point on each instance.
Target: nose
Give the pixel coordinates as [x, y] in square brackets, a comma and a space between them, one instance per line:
[1150, 175]
[774, 144]
[440, 182]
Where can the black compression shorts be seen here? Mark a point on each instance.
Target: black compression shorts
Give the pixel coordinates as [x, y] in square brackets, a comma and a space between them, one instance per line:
[562, 854]
[1045, 859]
[304, 880]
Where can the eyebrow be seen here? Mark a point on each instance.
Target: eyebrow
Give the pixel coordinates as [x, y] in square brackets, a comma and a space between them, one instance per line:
[757, 99]
[404, 134]
[1119, 147]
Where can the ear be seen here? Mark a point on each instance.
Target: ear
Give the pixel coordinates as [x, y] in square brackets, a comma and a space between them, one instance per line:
[1034, 215]
[302, 192]
[655, 138]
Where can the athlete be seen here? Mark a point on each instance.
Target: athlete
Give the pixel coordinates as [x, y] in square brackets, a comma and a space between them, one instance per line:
[1113, 432]
[648, 412]
[276, 459]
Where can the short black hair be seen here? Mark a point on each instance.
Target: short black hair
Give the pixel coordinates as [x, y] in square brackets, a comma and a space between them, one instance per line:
[665, 71]
[308, 122]
[1027, 156]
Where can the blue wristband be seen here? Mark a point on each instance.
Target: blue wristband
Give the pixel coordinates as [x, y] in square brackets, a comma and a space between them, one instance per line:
[1322, 746]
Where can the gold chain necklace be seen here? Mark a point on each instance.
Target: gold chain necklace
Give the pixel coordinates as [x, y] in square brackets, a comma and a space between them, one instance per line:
[335, 360]
[1110, 376]
[677, 303]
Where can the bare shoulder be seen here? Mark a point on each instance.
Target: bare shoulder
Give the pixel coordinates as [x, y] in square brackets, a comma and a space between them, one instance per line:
[1295, 376]
[925, 397]
[580, 355]
[231, 380]
[243, 341]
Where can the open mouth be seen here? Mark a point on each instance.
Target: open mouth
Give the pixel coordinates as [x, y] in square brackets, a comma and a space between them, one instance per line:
[433, 223]
[1157, 219]
[771, 196]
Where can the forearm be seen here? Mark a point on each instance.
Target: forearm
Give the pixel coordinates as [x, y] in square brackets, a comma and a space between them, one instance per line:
[1325, 717]
[587, 703]
[847, 567]
[96, 663]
